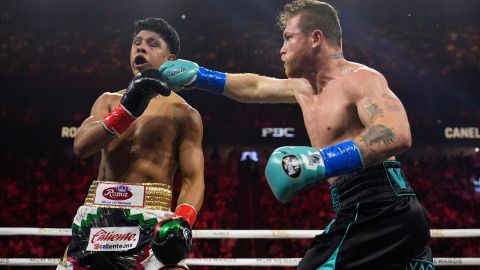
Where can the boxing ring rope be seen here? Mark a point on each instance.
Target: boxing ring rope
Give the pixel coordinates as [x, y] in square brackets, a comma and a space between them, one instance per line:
[237, 234]
[231, 262]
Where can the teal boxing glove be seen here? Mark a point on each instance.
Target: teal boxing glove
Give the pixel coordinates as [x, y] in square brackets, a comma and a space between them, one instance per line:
[179, 74]
[293, 168]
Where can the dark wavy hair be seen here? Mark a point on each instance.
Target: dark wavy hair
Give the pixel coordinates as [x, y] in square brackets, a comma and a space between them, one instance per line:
[161, 27]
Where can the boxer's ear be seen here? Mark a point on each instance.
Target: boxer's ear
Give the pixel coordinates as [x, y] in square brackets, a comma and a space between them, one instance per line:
[317, 38]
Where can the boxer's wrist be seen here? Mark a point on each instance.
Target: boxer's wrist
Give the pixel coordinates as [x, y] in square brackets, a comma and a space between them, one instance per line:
[341, 158]
[117, 121]
[210, 80]
[187, 212]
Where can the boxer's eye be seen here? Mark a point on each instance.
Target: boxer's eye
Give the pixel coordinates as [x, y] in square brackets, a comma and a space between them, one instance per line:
[140, 60]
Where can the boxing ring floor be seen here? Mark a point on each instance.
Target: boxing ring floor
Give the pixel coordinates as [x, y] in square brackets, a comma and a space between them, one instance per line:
[236, 234]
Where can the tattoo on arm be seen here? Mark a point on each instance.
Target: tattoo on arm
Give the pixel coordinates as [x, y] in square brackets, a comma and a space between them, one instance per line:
[374, 111]
[391, 103]
[377, 134]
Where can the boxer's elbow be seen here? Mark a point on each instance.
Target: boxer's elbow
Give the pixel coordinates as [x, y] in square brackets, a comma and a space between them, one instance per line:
[80, 148]
[404, 142]
[90, 141]
[236, 97]
[245, 95]
[249, 99]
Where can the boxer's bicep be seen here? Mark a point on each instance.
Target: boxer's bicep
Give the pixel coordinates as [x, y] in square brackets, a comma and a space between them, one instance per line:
[387, 131]
[191, 160]
[253, 88]
[379, 107]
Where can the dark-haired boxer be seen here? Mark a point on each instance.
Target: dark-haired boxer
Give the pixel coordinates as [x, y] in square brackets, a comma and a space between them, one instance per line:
[144, 133]
[356, 126]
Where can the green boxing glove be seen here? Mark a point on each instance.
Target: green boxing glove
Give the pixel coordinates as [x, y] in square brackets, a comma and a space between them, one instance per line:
[172, 238]
[180, 74]
[172, 241]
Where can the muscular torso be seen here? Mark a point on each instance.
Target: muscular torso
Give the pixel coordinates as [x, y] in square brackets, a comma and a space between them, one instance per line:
[147, 151]
[330, 114]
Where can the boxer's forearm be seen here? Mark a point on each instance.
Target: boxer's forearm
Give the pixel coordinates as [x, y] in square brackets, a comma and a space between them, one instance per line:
[380, 142]
[243, 87]
[192, 194]
[253, 88]
[247, 87]
[90, 139]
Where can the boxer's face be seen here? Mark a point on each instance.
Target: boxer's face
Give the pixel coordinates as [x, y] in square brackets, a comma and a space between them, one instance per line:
[295, 51]
[149, 50]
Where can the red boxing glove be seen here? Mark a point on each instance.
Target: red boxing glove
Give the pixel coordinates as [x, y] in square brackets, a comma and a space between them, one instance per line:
[118, 120]
[187, 212]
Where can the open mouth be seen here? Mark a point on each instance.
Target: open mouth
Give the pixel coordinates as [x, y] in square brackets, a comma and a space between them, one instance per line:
[139, 60]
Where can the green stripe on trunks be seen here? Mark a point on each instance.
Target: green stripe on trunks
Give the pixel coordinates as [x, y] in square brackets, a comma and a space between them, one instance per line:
[86, 222]
[140, 218]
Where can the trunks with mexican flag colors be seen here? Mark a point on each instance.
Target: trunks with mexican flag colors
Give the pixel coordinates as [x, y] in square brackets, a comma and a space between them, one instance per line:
[378, 224]
[114, 228]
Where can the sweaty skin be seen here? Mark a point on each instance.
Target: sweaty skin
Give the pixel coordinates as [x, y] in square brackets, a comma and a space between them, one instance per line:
[340, 100]
[148, 150]
[167, 136]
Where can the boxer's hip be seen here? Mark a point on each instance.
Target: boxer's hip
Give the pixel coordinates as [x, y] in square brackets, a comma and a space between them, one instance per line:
[117, 221]
[379, 217]
[120, 204]
[384, 182]
[151, 196]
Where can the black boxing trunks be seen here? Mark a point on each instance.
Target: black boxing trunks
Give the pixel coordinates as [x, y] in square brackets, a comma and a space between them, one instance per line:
[378, 224]
[114, 228]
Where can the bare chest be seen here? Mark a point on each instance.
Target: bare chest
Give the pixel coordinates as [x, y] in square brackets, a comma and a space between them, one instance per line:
[149, 137]
[330, 116]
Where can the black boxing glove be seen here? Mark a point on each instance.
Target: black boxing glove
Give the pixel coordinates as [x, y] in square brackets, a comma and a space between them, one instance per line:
[172, 238]
[144, 86]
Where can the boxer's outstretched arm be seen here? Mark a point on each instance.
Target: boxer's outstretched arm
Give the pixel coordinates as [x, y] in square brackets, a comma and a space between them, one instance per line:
[191, 159]
[253, 88]
[91, 136]
[183, 74]
[387, 131]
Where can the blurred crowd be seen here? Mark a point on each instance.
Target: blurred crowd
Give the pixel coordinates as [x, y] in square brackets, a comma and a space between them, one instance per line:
[397, 50]
[426, 65]
[46, 190]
